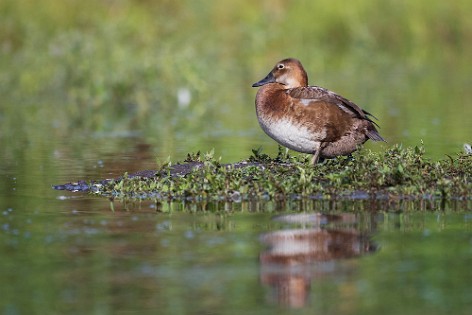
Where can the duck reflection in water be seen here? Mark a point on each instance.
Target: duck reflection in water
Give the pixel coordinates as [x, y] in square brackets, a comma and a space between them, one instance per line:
[296, 257]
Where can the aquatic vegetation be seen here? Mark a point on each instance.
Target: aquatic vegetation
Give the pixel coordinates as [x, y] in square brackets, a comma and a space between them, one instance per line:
[395, 173]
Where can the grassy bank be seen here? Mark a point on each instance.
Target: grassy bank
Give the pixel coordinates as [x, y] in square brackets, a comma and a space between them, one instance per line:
[397, 173]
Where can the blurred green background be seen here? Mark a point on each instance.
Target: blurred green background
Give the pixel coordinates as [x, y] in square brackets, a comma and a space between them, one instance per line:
[178, 74]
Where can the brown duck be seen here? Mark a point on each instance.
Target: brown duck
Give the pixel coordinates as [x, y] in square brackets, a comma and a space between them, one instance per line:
[310, 119]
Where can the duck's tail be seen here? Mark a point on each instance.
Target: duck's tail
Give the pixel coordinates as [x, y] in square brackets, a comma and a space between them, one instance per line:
[373, 134]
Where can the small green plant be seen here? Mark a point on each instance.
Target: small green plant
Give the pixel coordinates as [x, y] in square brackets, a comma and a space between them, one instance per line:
[398, 172]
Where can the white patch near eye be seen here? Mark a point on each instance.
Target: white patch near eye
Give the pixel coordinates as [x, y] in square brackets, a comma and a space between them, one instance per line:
[289, 81]
[282, 79]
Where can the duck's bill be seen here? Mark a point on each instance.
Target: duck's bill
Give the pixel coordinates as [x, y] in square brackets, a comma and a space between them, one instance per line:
[268, 79]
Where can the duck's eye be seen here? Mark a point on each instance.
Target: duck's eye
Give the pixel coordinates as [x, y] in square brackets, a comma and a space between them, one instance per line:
[280, 66]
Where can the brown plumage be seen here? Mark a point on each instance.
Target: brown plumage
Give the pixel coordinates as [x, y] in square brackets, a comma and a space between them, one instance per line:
[310, 119]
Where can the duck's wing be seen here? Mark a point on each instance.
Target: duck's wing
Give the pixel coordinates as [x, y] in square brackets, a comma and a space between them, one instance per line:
[307, 95]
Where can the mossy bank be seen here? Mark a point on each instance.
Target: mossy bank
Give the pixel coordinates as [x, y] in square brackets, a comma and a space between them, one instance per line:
[395, 173]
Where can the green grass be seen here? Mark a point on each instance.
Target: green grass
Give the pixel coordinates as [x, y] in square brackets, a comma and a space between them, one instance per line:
[397, 173]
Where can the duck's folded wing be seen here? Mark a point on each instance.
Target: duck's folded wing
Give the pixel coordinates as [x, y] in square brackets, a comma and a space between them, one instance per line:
[310, 94]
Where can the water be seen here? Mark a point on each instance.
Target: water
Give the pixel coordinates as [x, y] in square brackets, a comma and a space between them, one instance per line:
[186, 263]
[70, 253]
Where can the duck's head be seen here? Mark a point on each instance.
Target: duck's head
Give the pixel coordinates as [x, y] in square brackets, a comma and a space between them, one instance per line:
[288, 72]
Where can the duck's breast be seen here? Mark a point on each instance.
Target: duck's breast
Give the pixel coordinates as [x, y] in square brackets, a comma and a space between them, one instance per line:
[293, 123]
[291, 134]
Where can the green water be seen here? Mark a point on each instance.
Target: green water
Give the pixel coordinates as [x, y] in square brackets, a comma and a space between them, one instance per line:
[91, 89]
[89, 260]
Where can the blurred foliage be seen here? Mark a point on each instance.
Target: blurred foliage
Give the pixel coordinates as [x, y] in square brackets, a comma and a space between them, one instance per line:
[70, 67]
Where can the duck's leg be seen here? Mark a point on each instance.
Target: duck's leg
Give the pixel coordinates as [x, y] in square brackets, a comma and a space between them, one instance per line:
[316, 156]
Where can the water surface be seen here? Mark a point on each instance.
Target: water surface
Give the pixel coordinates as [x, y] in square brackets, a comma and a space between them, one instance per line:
[70, 253]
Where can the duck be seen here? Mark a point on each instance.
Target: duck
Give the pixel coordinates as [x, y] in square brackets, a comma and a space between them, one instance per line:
[310, 119]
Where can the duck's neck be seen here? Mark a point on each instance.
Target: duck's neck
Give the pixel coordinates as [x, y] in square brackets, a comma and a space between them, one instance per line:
[271, 98]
